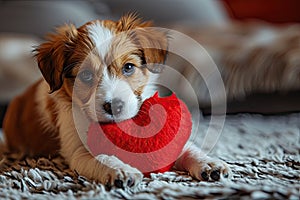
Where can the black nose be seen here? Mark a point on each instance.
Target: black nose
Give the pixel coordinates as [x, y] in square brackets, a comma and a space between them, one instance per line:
[114, 107]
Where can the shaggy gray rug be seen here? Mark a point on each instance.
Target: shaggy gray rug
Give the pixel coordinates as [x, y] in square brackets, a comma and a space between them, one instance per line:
[262, 151]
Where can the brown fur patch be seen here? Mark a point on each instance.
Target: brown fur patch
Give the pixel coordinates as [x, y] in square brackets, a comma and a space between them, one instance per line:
[52, 55]
[23, 130]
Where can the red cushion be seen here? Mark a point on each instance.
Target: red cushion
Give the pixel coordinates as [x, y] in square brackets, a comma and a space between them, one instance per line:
[151, 141]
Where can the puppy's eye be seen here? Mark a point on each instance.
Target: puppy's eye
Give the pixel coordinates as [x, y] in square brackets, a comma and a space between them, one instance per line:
[86, 76]
[128, 69]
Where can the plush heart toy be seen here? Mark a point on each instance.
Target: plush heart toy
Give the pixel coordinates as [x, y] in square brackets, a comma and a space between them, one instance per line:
[151, 141]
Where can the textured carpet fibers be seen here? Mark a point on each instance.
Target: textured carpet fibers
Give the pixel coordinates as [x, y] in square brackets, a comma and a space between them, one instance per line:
[262, 151]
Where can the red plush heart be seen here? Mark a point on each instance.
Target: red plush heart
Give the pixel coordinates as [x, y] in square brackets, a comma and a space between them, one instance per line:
[151, 141]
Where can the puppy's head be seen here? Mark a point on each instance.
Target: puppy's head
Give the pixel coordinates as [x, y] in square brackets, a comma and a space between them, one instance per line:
[105, 67]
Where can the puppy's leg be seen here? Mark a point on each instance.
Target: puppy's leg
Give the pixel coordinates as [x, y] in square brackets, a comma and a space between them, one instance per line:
[108, 170]
[200, 166]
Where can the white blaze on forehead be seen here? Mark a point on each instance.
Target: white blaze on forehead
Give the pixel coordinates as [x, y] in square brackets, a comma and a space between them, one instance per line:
[101, 37]
[113, 87]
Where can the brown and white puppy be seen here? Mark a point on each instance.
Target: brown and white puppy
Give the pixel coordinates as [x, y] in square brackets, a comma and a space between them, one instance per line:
[104, 69]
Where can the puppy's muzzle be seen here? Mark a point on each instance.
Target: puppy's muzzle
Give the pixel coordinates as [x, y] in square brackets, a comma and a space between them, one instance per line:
[115, 107]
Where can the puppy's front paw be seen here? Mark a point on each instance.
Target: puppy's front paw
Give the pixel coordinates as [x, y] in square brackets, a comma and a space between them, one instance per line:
[118, 174]
[209, 169]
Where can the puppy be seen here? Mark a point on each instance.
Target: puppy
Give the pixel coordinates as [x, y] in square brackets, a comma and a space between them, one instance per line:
[103, 72]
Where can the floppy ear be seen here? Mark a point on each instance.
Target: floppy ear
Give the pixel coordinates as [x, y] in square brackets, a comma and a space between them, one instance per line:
[151, 40]
[53, 54]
